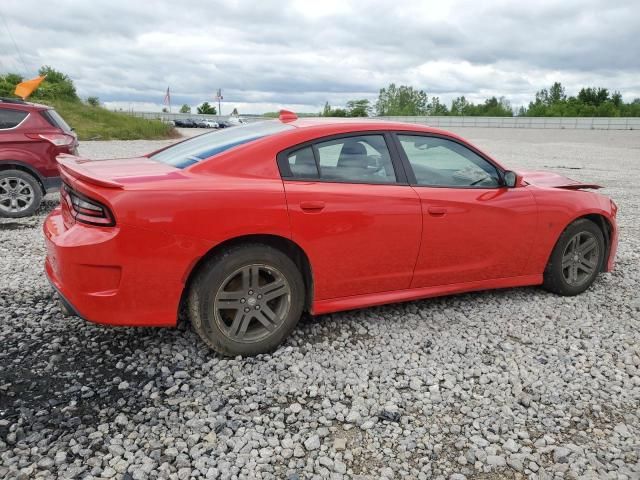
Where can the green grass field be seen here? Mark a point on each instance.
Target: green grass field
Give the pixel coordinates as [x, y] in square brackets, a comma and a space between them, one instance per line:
[97, 123]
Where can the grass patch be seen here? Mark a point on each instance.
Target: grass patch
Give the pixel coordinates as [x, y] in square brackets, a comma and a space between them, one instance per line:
[97, 123]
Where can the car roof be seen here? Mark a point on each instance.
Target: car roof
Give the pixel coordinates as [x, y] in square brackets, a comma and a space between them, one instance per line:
[320, 126]
[16, 103]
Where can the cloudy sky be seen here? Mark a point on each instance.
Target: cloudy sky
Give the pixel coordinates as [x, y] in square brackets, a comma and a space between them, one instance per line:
[298, 54]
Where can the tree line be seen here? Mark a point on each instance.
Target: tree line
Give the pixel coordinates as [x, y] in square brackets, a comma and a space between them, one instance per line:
[397, 100]
[405, 100]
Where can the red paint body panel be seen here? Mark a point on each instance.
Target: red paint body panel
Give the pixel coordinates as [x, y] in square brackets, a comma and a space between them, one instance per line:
[366, 244]
[479, 234]
[364, 240]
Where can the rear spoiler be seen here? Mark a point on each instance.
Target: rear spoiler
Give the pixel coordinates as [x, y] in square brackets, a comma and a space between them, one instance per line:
[72, 166]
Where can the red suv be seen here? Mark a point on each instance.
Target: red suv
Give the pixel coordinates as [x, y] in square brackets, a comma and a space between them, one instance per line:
[31, 136]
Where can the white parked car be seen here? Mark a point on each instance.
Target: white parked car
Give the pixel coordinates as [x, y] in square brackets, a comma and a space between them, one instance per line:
[233, 120]
[211, 124]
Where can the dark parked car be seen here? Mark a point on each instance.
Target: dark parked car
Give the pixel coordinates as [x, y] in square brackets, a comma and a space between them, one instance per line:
[224, 124]
[31, 136]
[185, 123]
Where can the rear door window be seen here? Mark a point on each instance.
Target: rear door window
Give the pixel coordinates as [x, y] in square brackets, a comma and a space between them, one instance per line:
[11, 118]
[303, 163]
[354, 159]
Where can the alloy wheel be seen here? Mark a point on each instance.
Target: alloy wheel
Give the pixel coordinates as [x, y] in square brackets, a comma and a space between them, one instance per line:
[16, 195]
[252, 303]
[581, 257]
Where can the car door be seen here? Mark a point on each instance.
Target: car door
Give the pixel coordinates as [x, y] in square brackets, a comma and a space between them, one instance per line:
[474, 228]
[353, 214]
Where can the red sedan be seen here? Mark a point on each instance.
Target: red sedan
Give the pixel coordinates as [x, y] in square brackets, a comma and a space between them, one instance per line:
[250, 226]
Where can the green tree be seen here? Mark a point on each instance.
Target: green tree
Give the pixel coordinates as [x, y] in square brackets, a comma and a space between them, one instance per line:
[435, 108]
[207, 109]
[185, 108]
[460, 106]
[57, 85]
[402, 100]
[358, 108]
[93, 101]
[593, 96]
[556, 93]
[326, 111]
[235, 112]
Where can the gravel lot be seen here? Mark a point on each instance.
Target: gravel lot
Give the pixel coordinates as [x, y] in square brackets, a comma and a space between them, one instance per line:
[507, 384]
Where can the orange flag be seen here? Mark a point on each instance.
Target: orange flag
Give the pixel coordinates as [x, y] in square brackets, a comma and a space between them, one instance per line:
[24, 89]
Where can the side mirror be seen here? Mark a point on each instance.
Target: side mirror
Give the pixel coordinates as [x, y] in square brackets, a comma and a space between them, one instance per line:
[510, 179]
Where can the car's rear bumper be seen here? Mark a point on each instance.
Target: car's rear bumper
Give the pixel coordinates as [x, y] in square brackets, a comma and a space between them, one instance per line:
[117, 276]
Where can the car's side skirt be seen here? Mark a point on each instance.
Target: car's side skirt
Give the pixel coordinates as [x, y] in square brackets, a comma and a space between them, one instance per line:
[369, 300]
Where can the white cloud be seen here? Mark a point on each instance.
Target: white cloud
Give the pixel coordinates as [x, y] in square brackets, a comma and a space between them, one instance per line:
[299, 54]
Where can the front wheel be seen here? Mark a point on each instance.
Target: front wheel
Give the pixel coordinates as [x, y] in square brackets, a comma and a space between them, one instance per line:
[576, 259]
[246, 300]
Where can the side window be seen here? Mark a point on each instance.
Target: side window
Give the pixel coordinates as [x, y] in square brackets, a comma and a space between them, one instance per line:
[303, 164]
[362, 159]
[11, 118]
[444, 163]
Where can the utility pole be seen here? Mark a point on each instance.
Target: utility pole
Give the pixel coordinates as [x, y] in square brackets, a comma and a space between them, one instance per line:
[219, 98]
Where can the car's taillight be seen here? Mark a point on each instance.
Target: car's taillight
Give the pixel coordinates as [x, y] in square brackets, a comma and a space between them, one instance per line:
[87, 210]
[57, 139]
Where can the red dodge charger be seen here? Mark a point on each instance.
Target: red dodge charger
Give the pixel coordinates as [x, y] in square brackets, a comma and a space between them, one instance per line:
[250, 226]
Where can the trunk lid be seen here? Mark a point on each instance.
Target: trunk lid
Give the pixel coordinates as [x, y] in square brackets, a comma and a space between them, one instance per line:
[554, 180]
[116, 173]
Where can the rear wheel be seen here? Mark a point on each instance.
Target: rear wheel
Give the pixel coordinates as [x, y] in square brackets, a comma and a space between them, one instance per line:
[576, 259]
[20, 194]
[246, 300]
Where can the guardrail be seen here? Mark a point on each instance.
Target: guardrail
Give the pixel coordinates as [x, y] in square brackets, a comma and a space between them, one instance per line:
[571, 123]
[575, 123]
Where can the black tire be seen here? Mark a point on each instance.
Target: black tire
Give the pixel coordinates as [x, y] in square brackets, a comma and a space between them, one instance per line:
[20, 194]
[558, 276]
[216, 326]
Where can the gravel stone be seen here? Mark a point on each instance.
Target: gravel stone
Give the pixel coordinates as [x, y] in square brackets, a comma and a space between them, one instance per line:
[340, 444]
[515, 383]
[312, 443]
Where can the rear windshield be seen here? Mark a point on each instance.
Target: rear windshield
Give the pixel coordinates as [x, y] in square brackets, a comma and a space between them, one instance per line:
[208, 145]
[56, 120]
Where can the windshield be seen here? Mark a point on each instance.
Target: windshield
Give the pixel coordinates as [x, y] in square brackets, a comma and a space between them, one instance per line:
[208, 145]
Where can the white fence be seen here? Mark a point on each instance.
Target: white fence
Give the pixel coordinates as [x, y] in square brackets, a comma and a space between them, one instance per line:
[576, 123]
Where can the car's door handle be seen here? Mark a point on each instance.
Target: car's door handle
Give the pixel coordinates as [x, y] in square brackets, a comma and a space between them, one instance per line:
[437, 211]
[312, 206]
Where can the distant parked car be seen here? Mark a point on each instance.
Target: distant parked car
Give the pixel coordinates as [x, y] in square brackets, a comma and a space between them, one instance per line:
[31, 136]
[224, 124]
[210, 124]
[185, 123]
[236, 120]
